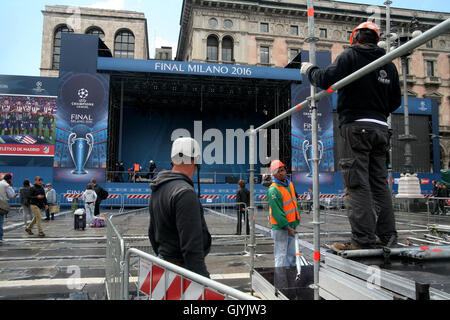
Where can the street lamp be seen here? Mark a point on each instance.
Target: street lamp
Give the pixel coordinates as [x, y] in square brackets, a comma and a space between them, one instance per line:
[409, 185]
[404, 37]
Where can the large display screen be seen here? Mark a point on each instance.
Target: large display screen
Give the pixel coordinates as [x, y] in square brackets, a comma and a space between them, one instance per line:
[27, 125]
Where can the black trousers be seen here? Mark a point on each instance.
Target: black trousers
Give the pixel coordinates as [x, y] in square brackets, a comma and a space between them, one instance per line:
[242, 215]
[97, 208]
[368, 198]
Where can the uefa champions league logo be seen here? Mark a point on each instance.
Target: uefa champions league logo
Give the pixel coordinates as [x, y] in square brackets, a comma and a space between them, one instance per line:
[83, 93]
[38, 87]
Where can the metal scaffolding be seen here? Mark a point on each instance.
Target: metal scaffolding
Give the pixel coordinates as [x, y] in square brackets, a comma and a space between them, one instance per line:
[311, 102]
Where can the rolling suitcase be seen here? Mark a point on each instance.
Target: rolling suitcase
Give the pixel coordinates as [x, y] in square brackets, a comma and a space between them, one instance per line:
[79, 219]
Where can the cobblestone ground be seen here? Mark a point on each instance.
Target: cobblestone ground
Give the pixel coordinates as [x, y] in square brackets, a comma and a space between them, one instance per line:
[70, 264]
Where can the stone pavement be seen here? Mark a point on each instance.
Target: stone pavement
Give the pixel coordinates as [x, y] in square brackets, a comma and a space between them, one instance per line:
[70, 264]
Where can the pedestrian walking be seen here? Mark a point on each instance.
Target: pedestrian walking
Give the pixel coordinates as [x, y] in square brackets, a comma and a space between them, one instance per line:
[443, 193]
[435, 202]
[50, 194]
[89, 197]
[25, 193]
[178, 231]
[102, 194]
[6, 193]
[284, 215]
[363, 107]
[243, 202]
[38, 203]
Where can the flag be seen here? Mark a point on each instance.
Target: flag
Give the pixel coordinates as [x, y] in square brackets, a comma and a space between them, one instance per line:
[25, 139]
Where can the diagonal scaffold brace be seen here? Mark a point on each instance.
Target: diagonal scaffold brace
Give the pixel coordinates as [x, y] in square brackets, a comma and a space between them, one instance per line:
[437, 30]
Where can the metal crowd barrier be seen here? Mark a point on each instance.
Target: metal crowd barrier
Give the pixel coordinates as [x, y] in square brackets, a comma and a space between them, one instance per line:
[136, 200]
[128, 245]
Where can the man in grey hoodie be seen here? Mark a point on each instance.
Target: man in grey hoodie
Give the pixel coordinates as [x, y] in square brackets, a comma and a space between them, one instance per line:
[178, 231]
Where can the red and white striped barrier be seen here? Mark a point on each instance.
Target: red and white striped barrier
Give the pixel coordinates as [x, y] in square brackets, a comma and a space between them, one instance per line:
[161, 284]
[138, 196]
[231, 197]
[209, 196]
[78, 196]
[262, 197]
[73, 195]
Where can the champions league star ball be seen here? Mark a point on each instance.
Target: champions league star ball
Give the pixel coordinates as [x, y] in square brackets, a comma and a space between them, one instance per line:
[83, 93]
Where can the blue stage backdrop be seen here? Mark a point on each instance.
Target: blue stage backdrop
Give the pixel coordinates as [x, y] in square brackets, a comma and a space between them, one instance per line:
[82, 121]
[302, 134]
[147, 136]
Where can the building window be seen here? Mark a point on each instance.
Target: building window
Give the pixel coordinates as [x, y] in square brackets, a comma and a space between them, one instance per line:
[349, 35]
[292, 54]
[124, 44]
[407, 66]
[323, 33]
[294, 30]
[57, 44]
[264, 55]
[227, 49]
[228, 24]
[429, 44]
[212, 48]
[264, 27]
[97, 31]
[212, 22]
[430, 68]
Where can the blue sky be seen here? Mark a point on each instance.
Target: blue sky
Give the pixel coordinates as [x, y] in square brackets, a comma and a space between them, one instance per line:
[21, 25]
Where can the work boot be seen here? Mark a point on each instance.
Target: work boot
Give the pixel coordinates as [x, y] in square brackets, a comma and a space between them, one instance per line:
[340, 246]
[27, 230]
[41, 234]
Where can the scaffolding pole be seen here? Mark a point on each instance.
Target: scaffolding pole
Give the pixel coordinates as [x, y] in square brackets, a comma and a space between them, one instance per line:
[394, 54]
[251, 208]
[312, 39]
[398, 52]
[389, 119]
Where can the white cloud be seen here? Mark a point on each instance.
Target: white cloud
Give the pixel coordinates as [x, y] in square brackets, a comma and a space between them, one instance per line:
[109, 4]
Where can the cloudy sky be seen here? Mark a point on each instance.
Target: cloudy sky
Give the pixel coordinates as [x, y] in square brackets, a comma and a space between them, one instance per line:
[21, 25]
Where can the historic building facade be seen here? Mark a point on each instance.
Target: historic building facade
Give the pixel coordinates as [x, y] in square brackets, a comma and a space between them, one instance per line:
[271, 33]
[124, 32]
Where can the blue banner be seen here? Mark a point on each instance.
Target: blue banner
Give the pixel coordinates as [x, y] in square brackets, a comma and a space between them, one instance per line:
[203, 69]
[81, 127]
[302, 167]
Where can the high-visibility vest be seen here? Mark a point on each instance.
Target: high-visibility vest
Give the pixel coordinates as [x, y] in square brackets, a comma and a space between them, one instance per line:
[137, 167]
[289, 203]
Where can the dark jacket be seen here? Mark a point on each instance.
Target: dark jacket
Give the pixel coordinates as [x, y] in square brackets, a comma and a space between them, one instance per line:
[435, 190]
[36, 190]
[178, 230]
[373, 96]
[243, 195]
[25, 193]
[443, 193]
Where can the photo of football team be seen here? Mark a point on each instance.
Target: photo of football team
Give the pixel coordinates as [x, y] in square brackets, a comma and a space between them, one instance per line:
[20, 115]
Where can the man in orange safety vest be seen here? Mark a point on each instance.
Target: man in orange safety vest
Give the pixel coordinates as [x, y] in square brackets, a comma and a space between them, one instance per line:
[284, 215]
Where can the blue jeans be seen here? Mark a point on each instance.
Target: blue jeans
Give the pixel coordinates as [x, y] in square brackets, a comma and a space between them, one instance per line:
[2, 219]
[284, 248]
